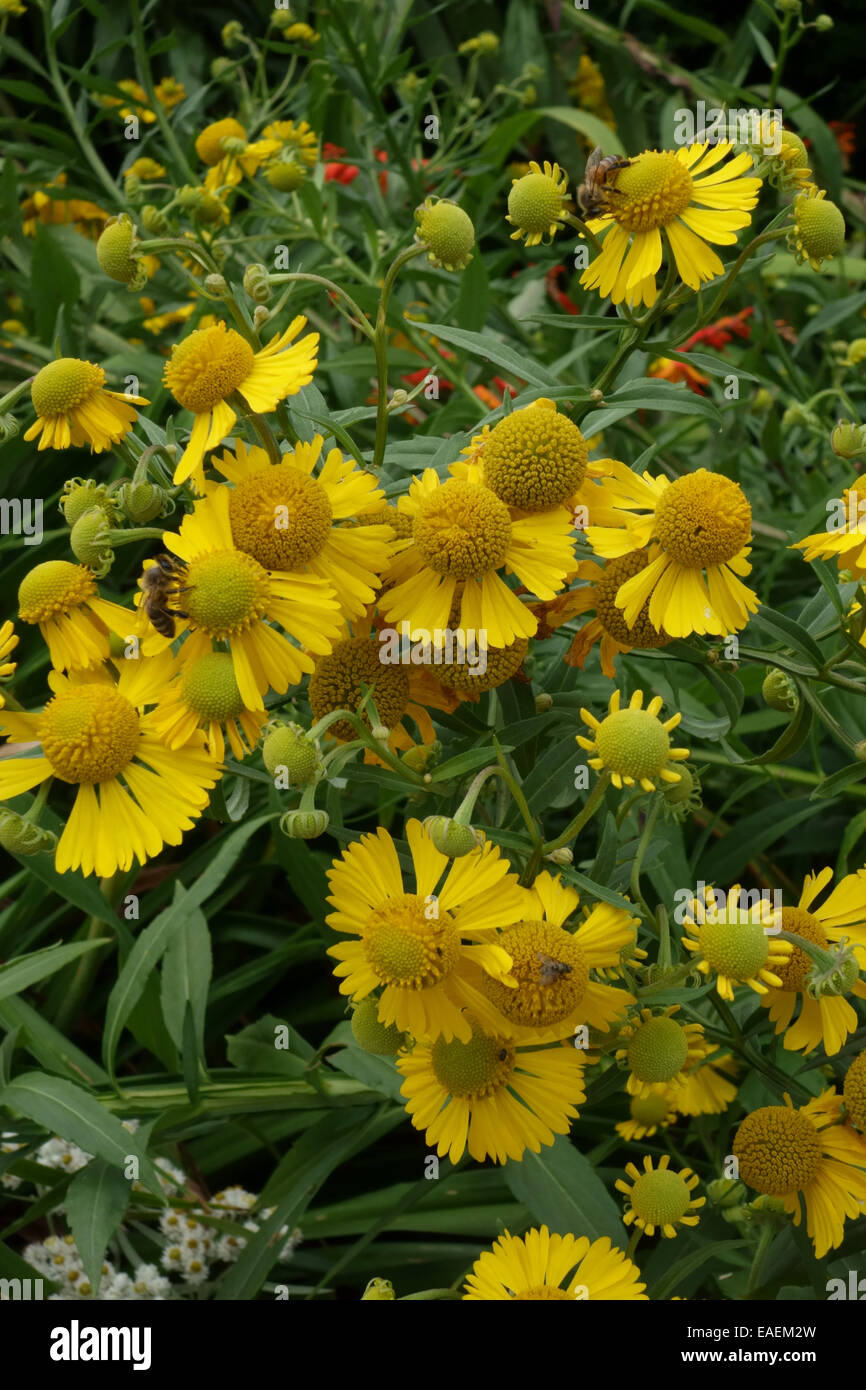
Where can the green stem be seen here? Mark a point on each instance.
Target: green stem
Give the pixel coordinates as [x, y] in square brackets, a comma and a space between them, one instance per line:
[230, 1096]
[360, 319]
[643, 846]
[763, 1247]
[380, 348]
[259, 424]
[146, 78]
[75, 125]
[86, 968]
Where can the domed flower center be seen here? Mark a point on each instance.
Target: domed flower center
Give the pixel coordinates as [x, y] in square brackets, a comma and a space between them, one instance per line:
[535, 458]
[209, 687]
[281, 516]
[227, 593]
[653, 191]
[737, 949]
[660, 1197]
[407, 947]
[536, 202]
[462, 529]
[551, 972]
[616, 572]
[209, 145]
[794, 970]
[207, 366]
[779, 1150]
[651, 1109]
[633, 743]
[56, 586]
[545, 1291]
[338, 678]
[658, 1050]
[854, 1091]
[89, 733]
[64, 384]
[703, 519]
[473, 1070]
[502, 663]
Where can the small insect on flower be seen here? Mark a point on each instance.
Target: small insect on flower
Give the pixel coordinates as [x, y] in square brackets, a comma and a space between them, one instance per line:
[158, 587]
[551, 970]
[594, 192]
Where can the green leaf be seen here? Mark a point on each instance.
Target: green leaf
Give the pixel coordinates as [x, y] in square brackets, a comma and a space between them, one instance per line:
[791, 739]
[186, 974]
[23, 971]
[254, 1049]
[751, 836]
[379, 1073]
[54, 281]
[834, 785]
[563, 1191]
[591, 126]
[490, 349]
[48, 1045]
[687, 1265]
[789, 634]
[469, 761]
[649, 394]
[96, 1199]
[68, 1110]
[703, 361]
[473, 301]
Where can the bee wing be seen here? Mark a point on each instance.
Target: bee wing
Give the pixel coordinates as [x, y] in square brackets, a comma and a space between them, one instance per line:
[594, 159]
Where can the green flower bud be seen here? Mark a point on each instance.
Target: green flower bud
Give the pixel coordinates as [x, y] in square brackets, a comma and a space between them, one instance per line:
[378, 1289]
[232, 34]
[452, 838]
[81, 495]
[115, 253]
[382, 1040]
[260, 316]
[256, 283]
[20, 836]
[9, 427]
[823, 23]
[847, 440]
[304, 825]
[132, 188]
[217, 284]
[562, 856]
[543, 702]
[448, 231]
[154, 220]
[285, 174]
[142, 502]
[288, 746]
[222, 69]
[90, 542]
[422, 756]
[818, 233]
[779, 691]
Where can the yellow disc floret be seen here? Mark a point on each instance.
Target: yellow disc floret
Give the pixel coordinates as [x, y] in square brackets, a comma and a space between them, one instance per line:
[854, 1092]
[633, 743]
[208, 366]
[535, 458]
[209, 687]
[281, 516]
[537, 203]
[473, 1070]
[736, 949]
[65, 384]
[703, 519]
[778, 1149]
[406, 947]
[794, 970]
[818, 233]
[652, 191]
[658, 1050]
[642, 633]
[55, 586]
[462, 529]
[551, 970]
[89, 733]
[227, 593]
[337, 680]
[660, 1197]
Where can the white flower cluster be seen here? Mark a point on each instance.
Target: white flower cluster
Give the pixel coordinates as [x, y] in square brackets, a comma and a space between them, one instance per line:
[57, 1259]
[192, 1248]
[69, 1158]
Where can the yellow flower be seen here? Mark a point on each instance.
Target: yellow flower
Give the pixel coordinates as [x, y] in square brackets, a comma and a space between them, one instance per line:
[648, 1114]
[846, 544]
[170, 92]
[211, 364]
[660, 1197]
[700, 526]
[209, 144]
[146, 169]
[682, 194]
[428, 949]
[706, 1089]
[288, 516]
[134, 794]
[204, 695]
[734, 941]
[809, 1154]
[8, 643]
[74, 621]
[658, 1050]
[301, 140]
[491, 1096]
[87, 218]
[609, 628]
[551, 991]
[633, 744]
[73, 409]
[537, 203]
[228, 597]
[829, 1019]
[539, 1265]
[462, 535]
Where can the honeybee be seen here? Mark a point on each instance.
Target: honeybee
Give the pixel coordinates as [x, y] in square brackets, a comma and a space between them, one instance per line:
[158, 585]
[593, 193]
[551, 970]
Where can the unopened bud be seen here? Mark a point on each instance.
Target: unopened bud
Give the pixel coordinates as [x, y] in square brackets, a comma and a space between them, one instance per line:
[142, 502]
[90, 543]
[287, 746]
[452, 838]
[381, 1039]
[304, 825]
[378, 1290]
[154, 220]
[23, 837]
[847, 440]
[217, 285]
[780, 692]
[256, 283]
[562, 856]
[81, 495]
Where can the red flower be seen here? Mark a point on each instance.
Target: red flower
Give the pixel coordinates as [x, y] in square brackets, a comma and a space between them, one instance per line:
[557, 294]
[336, 170]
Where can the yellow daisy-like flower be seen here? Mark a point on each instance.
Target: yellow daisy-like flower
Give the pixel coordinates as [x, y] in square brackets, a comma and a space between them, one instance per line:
[601, 584]
[491, 1096]
[204, 695]
[462, 535]
[537, 203]
[539, 1265]
[659, 1197]
[8, 643]
[700, 526]
[209, 144]
[854, 1092]
[735, 942]
[684, 195]
[212, 364]
[846, 544]
[73, 409]
[170, 93]
[830, 1019]
[134, 793]
[555, 993]
[648, 1114]
[431, 947]
[706, 1089]
[145, 169]
[228, 597]
[534, 458]
[301, 140]
[806, 1154]
[75, 622]
[633, 744]
[288, 515]
[658, 1050]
